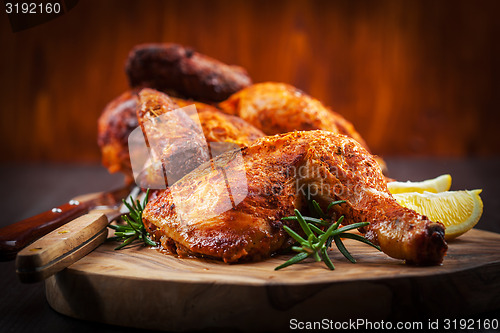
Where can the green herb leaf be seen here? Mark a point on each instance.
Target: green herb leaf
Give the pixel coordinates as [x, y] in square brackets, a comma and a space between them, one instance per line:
[308, 219]
[294, 235]
[316, 229]
[318, 241]
[333, 203]
[327, 259]
[293, 260]
[134, 228]
[359, 238]
[304, 225]
[318, 209]
[343, 250]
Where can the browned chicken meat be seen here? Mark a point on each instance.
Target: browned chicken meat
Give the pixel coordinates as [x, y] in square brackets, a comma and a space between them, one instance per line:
[114, 126]
[175, 140]
[220, 127]
[119, 118]
[183, 72]
[276, 108]
[231, 207]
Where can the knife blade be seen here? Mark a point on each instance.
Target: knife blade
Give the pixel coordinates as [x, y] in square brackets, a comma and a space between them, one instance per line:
[18, 235]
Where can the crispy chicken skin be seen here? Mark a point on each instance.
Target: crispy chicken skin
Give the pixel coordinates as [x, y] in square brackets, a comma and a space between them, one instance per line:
[279, 171]
[278, 108]
[251, 231]
[119, 118]
[180, 140]
[220, 127]
[116, 122]
[181, 71]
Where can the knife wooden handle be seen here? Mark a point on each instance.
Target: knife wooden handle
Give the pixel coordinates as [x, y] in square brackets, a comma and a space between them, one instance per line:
[62, 247]
[16, 236]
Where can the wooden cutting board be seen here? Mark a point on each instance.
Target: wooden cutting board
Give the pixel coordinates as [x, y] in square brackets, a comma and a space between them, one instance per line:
[140, 287]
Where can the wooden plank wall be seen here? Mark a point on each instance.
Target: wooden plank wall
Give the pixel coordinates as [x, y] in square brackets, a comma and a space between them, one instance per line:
[415, 77]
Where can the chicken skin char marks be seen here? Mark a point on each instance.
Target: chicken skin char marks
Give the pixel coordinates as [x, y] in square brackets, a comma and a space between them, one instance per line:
[277, 168]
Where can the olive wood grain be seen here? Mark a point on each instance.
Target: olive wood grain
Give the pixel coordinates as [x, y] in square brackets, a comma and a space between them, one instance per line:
[61, 247]
[167, 293]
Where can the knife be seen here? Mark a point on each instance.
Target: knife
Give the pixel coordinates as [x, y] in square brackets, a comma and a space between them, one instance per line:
[16, 236]
[68, 243]
[63, 246]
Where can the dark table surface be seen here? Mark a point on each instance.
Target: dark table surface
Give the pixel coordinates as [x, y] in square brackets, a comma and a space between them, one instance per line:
[34, 188]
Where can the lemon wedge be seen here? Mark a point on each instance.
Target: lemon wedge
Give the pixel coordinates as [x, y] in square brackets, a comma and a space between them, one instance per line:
[459, 211]
[436, 185]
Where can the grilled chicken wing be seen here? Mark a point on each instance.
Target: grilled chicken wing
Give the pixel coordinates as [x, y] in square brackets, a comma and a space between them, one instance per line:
[279, 171]
[119, 118]
[181, 71]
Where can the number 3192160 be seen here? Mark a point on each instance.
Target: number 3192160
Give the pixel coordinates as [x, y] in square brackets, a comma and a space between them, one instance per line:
[32, 8]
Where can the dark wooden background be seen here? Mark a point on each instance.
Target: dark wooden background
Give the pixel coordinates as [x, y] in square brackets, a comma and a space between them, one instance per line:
[415, 77]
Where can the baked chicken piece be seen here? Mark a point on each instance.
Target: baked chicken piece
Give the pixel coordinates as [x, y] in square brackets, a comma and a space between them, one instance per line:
[188, 219]
[116, 122]
[119, 119]
[182, 72]
[276, 108]
[220, 127]
[172, 137]
[180, 140]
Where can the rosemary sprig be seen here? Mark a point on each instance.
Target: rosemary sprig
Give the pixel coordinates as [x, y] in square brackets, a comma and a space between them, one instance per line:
[317, 240]
[134, 229]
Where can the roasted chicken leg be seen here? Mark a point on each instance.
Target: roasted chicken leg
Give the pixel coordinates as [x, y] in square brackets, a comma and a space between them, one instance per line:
[280, 171]
[277, 108]
[119, 118]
